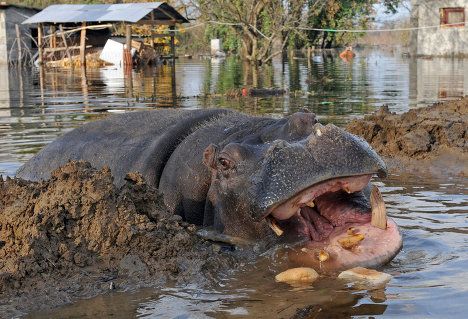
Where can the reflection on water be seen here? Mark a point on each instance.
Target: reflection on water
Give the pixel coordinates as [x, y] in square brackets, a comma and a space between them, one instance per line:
[430, 274]
[36, 107]
[449, 79]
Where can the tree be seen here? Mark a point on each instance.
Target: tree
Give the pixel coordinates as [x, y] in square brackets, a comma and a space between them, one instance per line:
[261, 24]
[258, 24]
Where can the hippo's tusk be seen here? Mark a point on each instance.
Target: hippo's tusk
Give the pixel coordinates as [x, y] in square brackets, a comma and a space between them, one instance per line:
[379, 212]
[310, 203]
[274, 226]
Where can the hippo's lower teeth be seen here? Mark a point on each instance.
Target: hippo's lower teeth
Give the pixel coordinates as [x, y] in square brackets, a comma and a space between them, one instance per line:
[274, 226]
[379, 212]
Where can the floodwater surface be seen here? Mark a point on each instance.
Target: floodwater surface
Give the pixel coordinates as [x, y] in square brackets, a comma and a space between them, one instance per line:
[430, 277]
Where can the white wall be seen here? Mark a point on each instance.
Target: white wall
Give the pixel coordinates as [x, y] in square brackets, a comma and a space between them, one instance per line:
[446, 41]
[3, 39]
[9, 17]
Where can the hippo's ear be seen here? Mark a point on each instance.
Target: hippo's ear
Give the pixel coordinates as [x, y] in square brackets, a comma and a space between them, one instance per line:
[209, 156]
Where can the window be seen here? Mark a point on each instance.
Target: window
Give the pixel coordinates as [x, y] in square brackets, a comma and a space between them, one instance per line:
[454, 17]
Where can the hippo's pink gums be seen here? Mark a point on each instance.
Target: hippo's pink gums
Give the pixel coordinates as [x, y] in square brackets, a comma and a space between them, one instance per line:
[238, 174]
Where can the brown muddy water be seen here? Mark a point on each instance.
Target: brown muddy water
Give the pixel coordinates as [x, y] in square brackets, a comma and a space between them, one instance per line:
[430, 273]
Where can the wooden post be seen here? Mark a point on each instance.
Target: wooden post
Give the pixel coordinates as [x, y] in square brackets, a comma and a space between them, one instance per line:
[41, 85]
[18, 41]
[128, 36]
[127, 60]
[39, 43]
[173, 85]
[83, 45]
[152, 30]
[84, 88]
[174, 91]
[171, 28]
[66, 45]
[53, 42]
[127, 56]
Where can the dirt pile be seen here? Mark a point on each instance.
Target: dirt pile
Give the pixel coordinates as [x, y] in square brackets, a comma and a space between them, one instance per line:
[73, 235]
[436, 134]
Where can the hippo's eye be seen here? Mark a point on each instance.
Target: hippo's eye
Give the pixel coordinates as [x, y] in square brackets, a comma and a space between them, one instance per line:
[225, 163]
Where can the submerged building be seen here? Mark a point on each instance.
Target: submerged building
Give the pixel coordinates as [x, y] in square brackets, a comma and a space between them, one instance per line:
[11, 18]
[442, 28]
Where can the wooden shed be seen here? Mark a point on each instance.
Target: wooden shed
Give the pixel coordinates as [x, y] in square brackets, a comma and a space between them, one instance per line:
[11, 17]
[55, 22]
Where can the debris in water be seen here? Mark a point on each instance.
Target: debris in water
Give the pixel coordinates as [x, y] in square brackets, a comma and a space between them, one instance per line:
[365, 278]
[350, 241]
[323, 256]
[298, 275]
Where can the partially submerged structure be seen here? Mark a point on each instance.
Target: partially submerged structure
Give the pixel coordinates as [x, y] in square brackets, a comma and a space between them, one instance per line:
[56, 23]
[442, 28]
[15, 38]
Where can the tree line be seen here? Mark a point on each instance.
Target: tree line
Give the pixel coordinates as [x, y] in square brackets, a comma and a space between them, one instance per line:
[258, 30]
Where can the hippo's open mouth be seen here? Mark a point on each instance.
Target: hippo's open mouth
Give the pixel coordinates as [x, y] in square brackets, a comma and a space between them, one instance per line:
[317, 210]
[334, 217]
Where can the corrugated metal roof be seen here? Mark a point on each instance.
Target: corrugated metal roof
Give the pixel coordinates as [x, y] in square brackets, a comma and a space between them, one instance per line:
[123, 12]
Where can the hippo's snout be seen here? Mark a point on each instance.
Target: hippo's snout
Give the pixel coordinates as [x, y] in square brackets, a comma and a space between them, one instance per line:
[328, 152]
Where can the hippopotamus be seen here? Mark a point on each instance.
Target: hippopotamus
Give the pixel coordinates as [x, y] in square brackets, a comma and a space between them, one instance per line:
[287, 180]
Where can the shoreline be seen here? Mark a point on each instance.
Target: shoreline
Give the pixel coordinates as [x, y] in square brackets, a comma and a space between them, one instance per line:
[432, 139]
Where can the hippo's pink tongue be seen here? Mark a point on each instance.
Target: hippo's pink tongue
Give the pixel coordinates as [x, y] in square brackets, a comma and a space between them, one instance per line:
[318, 223]
[339, 210]
[315, 212]
[317, 226]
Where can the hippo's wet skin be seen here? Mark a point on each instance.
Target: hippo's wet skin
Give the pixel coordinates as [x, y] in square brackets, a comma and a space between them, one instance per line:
[240, 173]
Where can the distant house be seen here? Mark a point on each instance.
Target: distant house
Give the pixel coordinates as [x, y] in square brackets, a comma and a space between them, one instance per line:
[450, 38]
[10, 16]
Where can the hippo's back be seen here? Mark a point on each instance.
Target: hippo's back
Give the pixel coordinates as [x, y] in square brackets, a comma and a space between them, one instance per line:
[136, 141]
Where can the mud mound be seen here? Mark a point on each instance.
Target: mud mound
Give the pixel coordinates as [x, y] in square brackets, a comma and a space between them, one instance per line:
[436, 133]
[73, 235]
